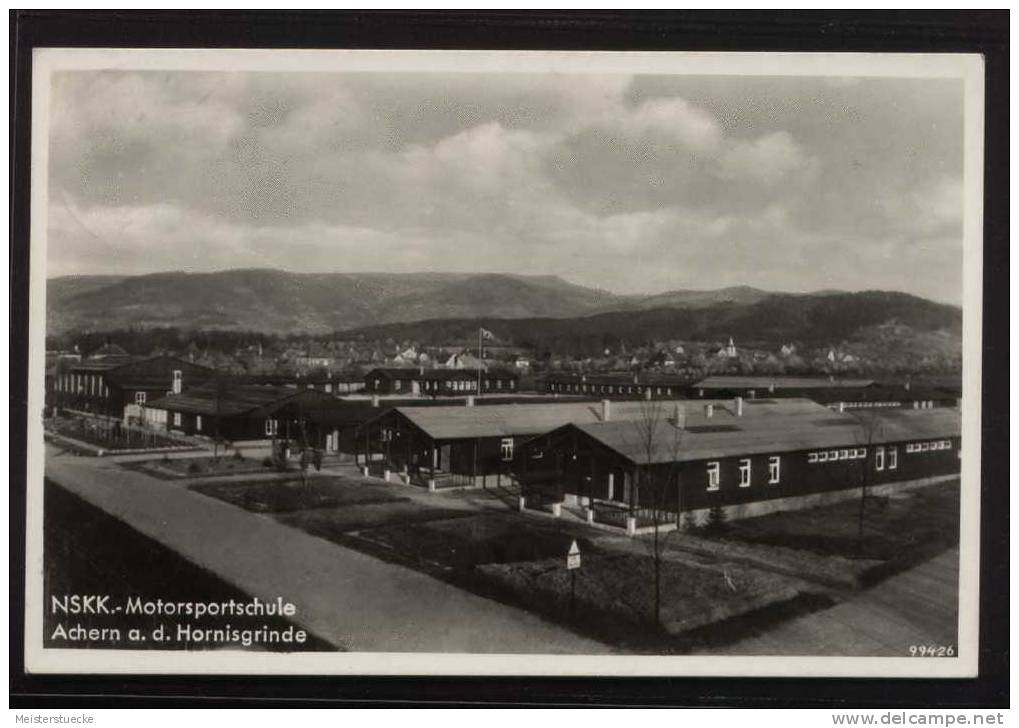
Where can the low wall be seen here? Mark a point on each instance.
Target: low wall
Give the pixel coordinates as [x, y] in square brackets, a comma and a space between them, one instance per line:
[700, 517]
[98, 451]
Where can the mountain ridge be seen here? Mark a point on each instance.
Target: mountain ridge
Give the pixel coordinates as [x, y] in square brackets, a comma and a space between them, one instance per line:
[276, 301]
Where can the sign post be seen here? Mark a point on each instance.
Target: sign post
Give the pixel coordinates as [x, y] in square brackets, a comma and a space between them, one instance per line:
[572, 564]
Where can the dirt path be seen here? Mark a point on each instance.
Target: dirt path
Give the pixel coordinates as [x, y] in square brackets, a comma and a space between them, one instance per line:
[916, 607]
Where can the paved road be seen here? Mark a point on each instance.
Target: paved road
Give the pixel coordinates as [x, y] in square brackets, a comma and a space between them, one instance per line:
[916, 607]
[350, 599]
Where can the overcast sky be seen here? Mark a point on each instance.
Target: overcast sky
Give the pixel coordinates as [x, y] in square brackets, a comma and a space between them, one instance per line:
[635, 184]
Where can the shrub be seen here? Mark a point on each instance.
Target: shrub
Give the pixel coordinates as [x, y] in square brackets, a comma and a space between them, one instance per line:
[267, 462]
[716, 520]
[238, 455]
[194, 468]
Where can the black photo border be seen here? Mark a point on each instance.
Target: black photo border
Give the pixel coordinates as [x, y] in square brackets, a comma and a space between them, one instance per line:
[984, 32]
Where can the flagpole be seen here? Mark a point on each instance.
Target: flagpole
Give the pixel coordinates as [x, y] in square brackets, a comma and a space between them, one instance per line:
[479, 360]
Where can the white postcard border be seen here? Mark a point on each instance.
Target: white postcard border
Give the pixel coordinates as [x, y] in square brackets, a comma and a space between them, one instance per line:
[967, 67]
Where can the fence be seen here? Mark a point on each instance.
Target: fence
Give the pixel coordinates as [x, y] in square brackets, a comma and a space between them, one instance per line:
[616, 514]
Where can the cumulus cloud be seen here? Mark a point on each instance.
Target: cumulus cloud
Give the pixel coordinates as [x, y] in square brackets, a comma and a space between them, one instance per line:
[606, 180]
[767, 159]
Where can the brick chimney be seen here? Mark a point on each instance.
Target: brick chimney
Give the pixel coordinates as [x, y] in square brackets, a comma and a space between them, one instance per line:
[470, 400]
[739, 406]
[709, 410]
[375, 400]
[606, 410]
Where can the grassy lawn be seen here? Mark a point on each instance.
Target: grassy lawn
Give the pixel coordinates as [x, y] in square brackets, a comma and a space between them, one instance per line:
[291, 494]
[465, 542]
[520, 560]
[106, 435]
[619, 588]
[204, 466]
[334, 524]
[898, 530]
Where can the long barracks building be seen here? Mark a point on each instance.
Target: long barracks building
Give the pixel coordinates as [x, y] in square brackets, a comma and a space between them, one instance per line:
[617, 386]
[246, 412]
[744, 458]
[120, 386]
[439, 382]
[467, 445]
[831, 392]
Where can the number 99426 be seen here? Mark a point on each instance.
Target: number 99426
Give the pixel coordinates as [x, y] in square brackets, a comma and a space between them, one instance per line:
[932, 650]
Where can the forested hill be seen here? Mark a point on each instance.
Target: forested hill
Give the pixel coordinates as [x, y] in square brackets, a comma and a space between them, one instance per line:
[281, 302]
[778, 319]
[541, 312]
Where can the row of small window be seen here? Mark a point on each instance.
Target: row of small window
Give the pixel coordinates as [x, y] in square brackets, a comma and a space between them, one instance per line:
[89, 384]
[745, 473]
[607, 388]
[456, 385]
[465, 386]
[93, 385]
[859, 453]
[869, 405]
[825, 456]
[928, 446]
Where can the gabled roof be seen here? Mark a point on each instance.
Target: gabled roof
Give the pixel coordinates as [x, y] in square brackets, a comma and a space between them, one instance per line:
[776, 434]
[132, 372]
[762, 383]
[102, 365]
[228, 400]
[520, 420]
[302, 380]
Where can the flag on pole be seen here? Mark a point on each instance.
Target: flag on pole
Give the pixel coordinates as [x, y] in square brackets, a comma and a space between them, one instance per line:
[486, 334]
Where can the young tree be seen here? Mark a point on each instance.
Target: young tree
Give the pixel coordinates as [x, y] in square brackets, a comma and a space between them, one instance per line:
[216, 436]
[871, 428]
[304, 444]
[658, 488]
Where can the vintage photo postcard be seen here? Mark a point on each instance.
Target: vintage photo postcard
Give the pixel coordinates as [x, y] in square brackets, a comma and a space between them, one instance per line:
[504, 363]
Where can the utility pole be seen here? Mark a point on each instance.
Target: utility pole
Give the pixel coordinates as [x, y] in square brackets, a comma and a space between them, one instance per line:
[480, 330]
